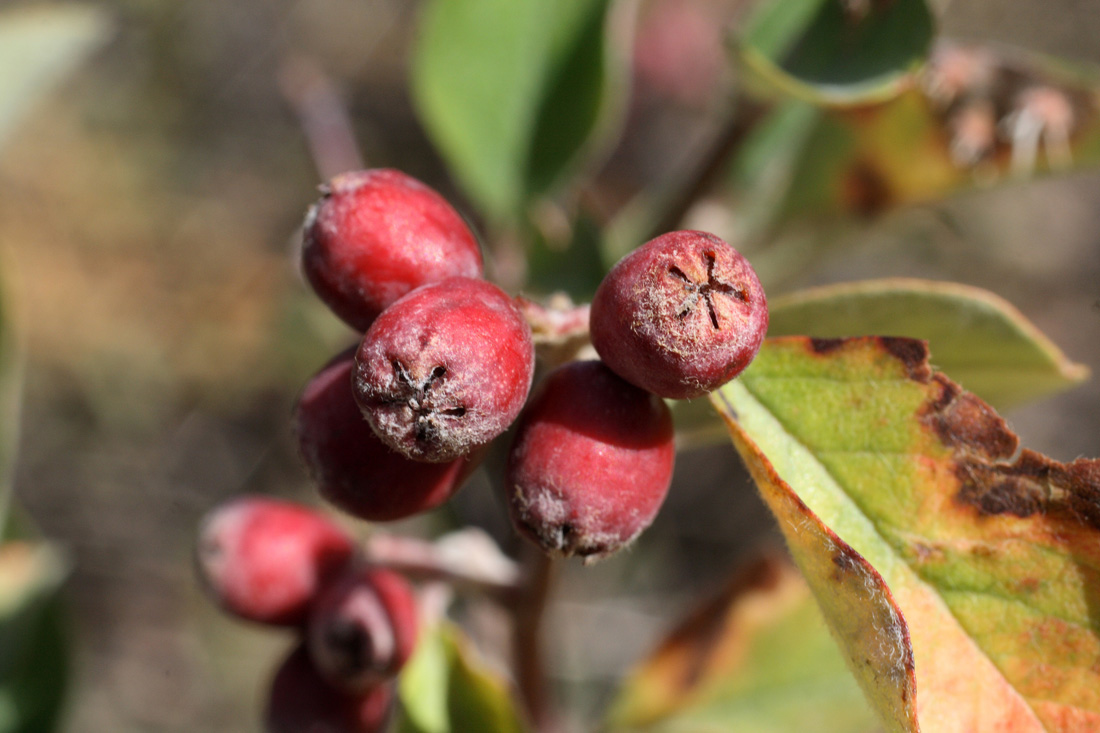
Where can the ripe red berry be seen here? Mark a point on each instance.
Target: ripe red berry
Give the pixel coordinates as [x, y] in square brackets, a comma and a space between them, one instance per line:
[264, 559]
[445, 369]
[362, 628]
[591, 462]
[377, 234]
[680, 316]
[353, 468]
[302, 702]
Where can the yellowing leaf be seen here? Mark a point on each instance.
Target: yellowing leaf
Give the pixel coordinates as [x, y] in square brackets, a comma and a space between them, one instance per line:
[977, 337]
[755, 659]
[908, 506]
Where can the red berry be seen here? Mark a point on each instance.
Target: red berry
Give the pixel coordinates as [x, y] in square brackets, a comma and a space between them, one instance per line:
[264, 559]
[353, 468]
[377, 234]
[302, 702]
[445, 369]
[680, 316]
[362, 628]
[591, 462]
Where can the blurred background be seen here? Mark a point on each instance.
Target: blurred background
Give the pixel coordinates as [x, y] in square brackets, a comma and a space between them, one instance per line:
[149, 210]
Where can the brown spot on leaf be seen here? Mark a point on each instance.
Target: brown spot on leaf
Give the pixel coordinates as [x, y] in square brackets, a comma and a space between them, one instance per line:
[824, 346]
[912, 353]
[995, 476]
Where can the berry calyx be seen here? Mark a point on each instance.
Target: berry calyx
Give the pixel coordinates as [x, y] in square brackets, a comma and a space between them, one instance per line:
[265, 560]
[680, 316]
[591, 462]
[378, 234]
[363, 628]
[301, 701]
[445, 369]
[352, 467]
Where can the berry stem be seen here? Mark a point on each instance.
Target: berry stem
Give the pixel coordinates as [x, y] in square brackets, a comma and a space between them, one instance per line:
[467, 559]
[529, 612]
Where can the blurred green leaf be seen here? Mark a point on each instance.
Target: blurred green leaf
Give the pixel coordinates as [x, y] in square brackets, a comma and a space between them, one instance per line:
[38, 47]
[833, 52]
[980, 339]
[33, 648]
[575, 266]
[511, 92]
[444, 690]
[1018, 115]
[758, 658]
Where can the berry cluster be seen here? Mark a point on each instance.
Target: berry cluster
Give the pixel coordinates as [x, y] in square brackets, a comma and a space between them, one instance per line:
[394, 426]
[280, 564]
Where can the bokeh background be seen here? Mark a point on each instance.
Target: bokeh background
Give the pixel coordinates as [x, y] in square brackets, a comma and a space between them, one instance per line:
[149, 212]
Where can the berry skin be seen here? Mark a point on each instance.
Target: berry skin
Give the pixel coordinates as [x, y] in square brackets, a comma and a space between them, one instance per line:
[680, 316]
[265, 560]
[355, 470]
[445, 369]
[302, 702]
[377, 234]
[591, 462]
[363, 628]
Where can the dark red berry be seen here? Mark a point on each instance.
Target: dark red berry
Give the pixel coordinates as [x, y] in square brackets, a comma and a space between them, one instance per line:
[265, 560]
[377, 234]
[445, 369]
[680, 316]
[591, 462]
[301, 701]
[353, 468]
[362, 628]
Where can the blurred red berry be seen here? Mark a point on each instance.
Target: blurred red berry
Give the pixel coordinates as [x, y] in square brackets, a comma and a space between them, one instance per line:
[302, 702]
[265, 560]
[362, 628]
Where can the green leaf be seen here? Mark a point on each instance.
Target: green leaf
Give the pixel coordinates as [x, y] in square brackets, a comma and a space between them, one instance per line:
[443, 689]
[511, 92]
[832, 52]
[33, 647]
[38, 47]
[978, 338]
[757, 658]
[957, 571]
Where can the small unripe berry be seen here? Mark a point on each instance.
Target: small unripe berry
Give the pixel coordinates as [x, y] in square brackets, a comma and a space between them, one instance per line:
[376, 235]
[353, 468]
[362, 628]
[301, 701]
[680, 316]
[265, 560]
[591, 462]
[445, 369]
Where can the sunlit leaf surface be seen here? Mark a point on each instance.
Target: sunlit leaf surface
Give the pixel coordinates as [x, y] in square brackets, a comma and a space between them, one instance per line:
[960, 573]
[981, 340]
